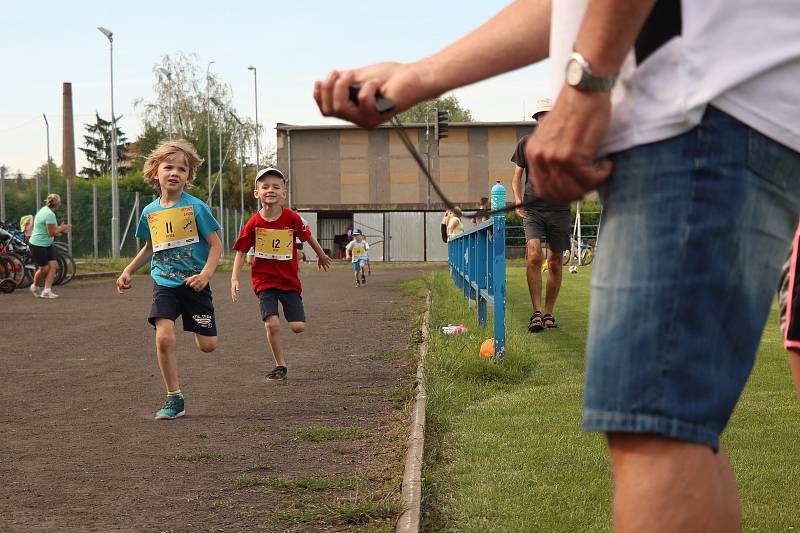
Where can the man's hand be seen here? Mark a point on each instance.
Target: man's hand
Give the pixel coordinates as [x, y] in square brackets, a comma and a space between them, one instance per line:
[197, 282]
[234, 289]
[520, 211]
[562, 150]
[123, 282]
[402, 83]
[324, 262]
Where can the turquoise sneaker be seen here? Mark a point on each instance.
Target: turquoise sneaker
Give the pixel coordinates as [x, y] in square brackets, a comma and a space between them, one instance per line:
[173, 408]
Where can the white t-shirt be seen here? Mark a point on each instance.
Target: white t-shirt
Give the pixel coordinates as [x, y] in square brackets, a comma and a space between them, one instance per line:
[738, 55]
[358, 250]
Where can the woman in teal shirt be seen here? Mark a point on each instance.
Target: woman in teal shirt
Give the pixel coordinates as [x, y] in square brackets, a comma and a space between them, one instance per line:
[45, 227]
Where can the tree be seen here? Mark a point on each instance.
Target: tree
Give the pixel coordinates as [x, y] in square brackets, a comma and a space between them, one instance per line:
[98, 148]
[180, 110]
[426, 111]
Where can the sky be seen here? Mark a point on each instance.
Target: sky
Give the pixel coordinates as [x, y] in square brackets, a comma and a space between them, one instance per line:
[45, 43]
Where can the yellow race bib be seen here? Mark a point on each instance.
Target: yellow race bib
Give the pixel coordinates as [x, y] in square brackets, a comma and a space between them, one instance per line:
[358, 252]
[274, 243]
[172, 228]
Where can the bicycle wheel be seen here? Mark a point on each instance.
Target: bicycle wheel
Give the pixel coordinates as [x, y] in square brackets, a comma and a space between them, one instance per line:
[587, 254]
[7, 286]
[60, 269]
[69, 268]
[16, 268]
[567, 255]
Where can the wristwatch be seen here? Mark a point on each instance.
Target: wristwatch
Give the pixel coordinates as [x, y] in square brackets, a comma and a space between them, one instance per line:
[580, 76]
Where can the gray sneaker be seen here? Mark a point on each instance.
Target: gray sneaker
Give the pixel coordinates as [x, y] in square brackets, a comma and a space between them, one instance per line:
[48, 294]
[34, 290]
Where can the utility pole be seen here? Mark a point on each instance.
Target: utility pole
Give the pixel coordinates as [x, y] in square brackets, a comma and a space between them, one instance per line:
[208, 126]
[47, 125]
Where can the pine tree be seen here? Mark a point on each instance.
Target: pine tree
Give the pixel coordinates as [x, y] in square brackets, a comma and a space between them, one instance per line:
[98, 148]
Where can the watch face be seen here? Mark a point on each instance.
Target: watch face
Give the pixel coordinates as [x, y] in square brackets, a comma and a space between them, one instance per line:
[574, 72]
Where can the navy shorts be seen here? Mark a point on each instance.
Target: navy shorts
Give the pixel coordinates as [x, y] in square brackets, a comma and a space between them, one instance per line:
[195, 308]
[695, 230]
[291, 301]
[42, 254]
[551, 226]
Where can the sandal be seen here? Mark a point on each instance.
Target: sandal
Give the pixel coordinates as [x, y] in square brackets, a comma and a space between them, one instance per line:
[536, 324]
[549, 321]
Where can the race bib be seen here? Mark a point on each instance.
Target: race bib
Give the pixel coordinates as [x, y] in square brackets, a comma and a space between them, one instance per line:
[173, 228]
[274, 243]
[358, 252]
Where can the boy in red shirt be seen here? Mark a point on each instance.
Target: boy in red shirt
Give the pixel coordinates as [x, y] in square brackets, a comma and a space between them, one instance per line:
[272, 232]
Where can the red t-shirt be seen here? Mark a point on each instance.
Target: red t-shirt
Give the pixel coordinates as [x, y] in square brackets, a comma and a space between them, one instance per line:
[274, 273]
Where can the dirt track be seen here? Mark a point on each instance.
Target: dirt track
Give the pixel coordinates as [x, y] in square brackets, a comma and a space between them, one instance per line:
[79, 383]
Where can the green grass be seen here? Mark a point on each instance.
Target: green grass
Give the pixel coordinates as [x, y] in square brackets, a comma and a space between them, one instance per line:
[304, 484]
[504, 450]
[321, 433]
[204, 457]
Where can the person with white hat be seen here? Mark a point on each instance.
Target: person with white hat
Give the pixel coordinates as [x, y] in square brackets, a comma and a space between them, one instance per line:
[542, 220]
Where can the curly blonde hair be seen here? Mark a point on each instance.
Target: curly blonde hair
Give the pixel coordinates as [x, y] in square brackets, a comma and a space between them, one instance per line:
[166, 149]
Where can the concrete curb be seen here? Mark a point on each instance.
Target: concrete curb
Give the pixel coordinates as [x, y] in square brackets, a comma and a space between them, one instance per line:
[93, 275]
[411, 492]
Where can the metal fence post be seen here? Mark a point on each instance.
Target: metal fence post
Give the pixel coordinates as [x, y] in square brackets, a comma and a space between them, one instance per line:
[137, 207]
[94, 220]
[499, 269]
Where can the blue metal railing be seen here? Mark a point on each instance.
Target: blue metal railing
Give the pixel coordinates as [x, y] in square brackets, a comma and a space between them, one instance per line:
[477, 261]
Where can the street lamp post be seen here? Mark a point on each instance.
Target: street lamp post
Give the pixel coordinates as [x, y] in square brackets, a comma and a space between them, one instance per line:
[221, 108]
[114, 180]
[241, 169]
[255, 85]
[168, 75]
[208, 125]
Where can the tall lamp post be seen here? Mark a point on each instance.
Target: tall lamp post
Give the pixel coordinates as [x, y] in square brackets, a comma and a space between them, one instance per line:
[114, 180]
[255, 85]
[168, 75]
[241, 168]
[221, 108]
[208, 124]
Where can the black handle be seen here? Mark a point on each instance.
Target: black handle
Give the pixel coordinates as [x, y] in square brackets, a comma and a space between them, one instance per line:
[382, 104]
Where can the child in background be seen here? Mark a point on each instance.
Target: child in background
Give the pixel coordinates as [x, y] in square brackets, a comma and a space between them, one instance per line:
[358, 250]
[180, 234]
[274, 270]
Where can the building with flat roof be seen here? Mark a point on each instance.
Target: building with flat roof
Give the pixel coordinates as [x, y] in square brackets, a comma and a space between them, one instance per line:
[343, 177]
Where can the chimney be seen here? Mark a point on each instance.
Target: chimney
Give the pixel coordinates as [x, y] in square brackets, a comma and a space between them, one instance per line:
[68, 157]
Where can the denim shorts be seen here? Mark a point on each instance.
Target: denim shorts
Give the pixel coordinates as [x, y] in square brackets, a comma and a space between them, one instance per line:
[358, 264]
[694, 232]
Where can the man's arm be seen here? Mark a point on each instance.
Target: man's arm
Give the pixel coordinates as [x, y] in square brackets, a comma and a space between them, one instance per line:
[517, 36]
[561, 156]
[519, 191]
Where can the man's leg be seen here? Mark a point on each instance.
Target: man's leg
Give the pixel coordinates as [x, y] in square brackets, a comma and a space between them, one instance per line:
[681, 475]
[553, 282]
[534, 273]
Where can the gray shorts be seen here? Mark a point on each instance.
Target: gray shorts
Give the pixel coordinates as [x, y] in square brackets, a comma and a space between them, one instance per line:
[550, 226]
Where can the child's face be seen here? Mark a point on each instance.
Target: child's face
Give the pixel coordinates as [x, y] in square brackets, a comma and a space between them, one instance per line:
[270, 190]
[173, 173]
[359, 237]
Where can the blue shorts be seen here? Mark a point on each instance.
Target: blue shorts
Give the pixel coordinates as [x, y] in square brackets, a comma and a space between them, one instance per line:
[359, 264]
[291, 301]
[694, 232]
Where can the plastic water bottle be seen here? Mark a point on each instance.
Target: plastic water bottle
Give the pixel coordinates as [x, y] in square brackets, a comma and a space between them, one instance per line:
[498, 196]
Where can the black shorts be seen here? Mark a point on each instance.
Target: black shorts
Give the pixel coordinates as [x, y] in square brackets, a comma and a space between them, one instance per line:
[42, 254]
[195, 308]
[291, 301]
[552, 226]
[789, 298]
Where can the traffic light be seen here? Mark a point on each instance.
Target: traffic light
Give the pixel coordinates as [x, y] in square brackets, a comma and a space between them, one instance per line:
[441, 124]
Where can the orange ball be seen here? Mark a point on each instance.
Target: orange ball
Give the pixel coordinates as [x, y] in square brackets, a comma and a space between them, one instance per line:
[487, 348]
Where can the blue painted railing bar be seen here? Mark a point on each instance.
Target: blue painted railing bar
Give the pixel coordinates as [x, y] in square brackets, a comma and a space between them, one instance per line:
[477, 261]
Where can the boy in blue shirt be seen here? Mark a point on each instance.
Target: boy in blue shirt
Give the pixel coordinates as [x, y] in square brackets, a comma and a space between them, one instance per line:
[180, 236]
